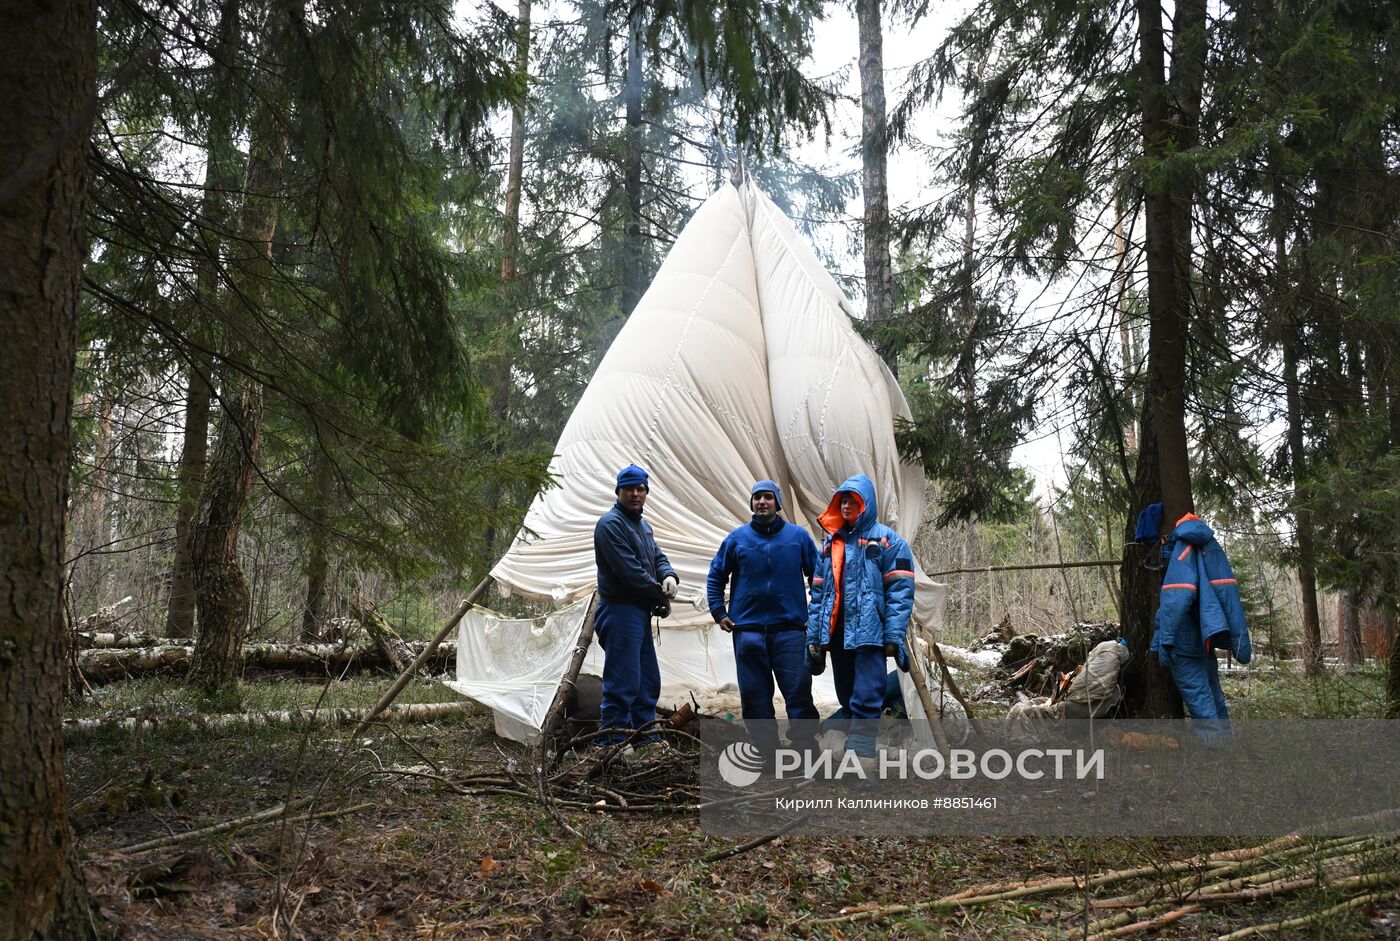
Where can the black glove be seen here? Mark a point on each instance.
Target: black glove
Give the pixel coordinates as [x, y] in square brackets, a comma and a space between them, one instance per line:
[816, 659]
[901, 656]
[662, 609]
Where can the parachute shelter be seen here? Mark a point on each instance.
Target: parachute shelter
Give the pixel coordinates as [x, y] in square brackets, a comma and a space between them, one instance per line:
[739, 363]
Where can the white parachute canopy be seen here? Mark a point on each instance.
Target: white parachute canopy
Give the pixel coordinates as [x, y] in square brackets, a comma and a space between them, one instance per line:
[739, 363]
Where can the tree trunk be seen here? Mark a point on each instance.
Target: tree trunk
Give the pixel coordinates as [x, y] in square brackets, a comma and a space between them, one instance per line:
[219, 178]
[1307, 578]
[1349, 627]
[879, 279]
[313, 615]
[632, 280]
[220, 586]
[1120, 308]
[510, 242]
[1289, 338]
[179, 614]
[89, 516]
[1149, 692]
[48, 65]
[1392, 682]
[1168, 216]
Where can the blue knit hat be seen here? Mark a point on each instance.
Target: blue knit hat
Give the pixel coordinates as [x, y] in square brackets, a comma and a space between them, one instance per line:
[631, 476]
[769, 485]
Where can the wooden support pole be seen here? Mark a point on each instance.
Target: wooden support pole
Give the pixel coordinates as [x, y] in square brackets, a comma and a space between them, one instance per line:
[920, 679]
[418, 661]
[953, 688]
[555, 715]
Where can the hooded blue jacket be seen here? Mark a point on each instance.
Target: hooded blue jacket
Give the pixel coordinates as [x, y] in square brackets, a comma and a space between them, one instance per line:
[877, 575]
[1200, 609]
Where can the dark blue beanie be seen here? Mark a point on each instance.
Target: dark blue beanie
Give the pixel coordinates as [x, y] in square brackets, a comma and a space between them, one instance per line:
[769, 485]
[631, 476]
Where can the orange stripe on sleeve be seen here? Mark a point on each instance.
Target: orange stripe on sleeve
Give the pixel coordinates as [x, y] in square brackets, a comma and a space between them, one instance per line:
[1179, 585]
[899, 573]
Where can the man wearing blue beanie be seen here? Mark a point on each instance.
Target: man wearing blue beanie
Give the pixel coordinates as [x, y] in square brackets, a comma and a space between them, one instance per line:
[634, 579]
[766, 564]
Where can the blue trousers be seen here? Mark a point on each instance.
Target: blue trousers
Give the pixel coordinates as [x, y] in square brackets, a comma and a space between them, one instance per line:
[859, 676]
[761, 657]
[1198, 679]
[631, 678]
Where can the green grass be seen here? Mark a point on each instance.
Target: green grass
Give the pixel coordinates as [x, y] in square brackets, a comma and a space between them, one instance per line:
[1287, 693]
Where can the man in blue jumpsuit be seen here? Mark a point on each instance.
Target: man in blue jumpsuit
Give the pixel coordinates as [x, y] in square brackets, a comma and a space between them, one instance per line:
[766, 565]
[634, 578]
[862, 599]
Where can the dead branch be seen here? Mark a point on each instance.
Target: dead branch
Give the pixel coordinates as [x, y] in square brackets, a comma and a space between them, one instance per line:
[1149, 924]
[1275, 927]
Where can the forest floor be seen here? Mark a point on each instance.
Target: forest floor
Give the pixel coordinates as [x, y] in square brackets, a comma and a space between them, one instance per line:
[424, 861]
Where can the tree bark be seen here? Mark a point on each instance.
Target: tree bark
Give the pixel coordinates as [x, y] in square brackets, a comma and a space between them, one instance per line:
[219, 178]
[510, 242]
[1349, 627]
[313, 615]
[1168, 218]
[1392, 680]
[1149, 692]
[1307, 568]
[879, 277]
[632, 280]
[221, 589]
[1290, 328]
[89, 516]
[48, 67]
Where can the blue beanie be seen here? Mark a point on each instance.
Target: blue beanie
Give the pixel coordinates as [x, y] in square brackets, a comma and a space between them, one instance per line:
[631, 476]
[769, 485]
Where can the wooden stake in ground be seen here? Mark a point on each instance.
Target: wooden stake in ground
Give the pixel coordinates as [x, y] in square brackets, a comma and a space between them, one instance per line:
[916, 673]
[406, 675]
[953, 688]
[555, 714]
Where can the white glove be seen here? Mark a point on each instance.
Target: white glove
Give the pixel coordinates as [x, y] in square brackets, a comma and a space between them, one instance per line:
[669, 586]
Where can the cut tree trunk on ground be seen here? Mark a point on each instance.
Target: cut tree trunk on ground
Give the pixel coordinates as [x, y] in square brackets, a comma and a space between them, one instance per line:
[419, 712]
[390, 645]
[110, 640]
[111, 664]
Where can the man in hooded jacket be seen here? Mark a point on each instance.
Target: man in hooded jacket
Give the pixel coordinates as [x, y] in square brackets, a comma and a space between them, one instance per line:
[766, 564]
[862, 599]
[1199, 613]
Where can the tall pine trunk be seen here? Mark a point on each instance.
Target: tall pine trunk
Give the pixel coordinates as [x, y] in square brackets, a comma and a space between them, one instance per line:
[1290, 337]
[1148, 688]
[220, 586]
[194, 451]
[632, 274]
[1163, 456]
[48, 66]
[313, 615]
[879, 278]
[510, 257]
[219, 178]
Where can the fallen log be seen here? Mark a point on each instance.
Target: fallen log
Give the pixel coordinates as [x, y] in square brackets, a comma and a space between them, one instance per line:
[420, 712]
[87, 640]
[106, 665]
[390, 645]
